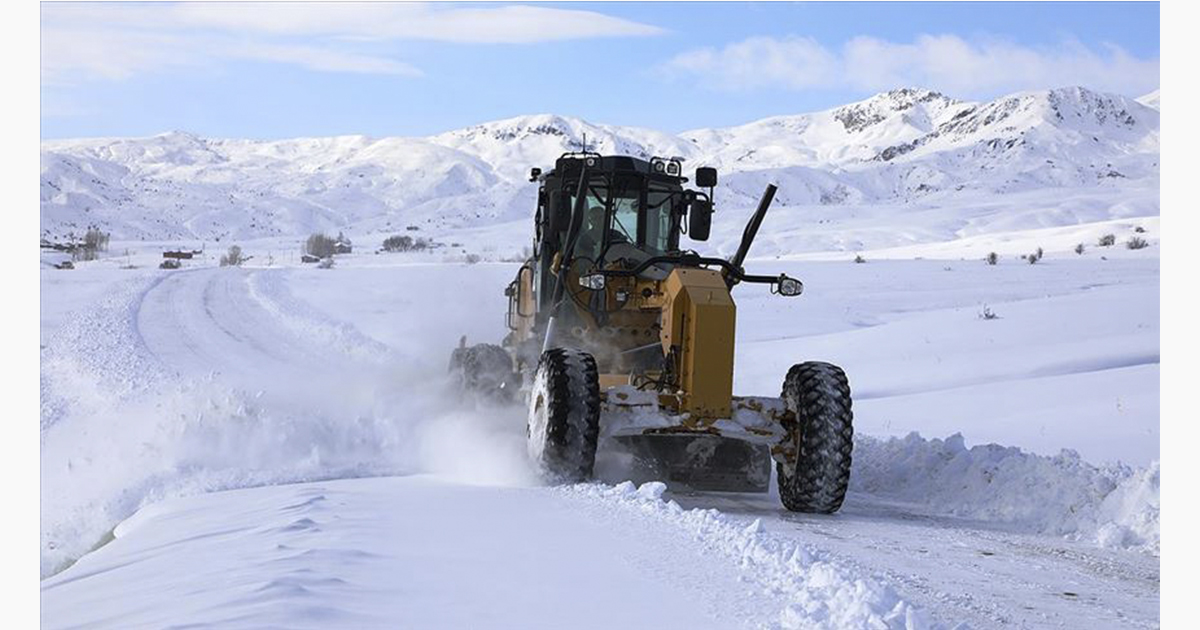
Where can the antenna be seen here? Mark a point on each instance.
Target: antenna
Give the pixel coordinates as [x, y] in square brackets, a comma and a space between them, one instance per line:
[585, 142]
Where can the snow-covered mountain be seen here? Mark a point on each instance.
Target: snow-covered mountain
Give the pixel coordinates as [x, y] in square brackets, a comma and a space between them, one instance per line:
[906, 146]
[1150, 100]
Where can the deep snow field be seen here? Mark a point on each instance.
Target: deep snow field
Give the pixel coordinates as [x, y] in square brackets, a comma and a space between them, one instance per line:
[275, 446]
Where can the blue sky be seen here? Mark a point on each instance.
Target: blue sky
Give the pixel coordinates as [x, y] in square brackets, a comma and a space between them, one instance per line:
[314, 69]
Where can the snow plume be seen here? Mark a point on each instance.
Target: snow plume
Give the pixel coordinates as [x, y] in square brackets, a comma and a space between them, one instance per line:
[823, 592]
[123, 427]
[1113, 506]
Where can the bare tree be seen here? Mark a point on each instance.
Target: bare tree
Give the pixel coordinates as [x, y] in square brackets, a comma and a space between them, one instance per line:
[234, 258]
[320, 245]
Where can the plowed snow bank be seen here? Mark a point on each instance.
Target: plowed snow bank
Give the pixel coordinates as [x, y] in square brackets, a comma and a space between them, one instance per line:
[823, 592]
[1113, 506]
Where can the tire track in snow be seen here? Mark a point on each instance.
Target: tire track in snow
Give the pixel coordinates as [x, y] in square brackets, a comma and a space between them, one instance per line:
[191, 381]
[246, 323]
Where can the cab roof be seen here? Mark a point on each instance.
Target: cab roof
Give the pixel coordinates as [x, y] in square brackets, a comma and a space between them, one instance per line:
[569, 164]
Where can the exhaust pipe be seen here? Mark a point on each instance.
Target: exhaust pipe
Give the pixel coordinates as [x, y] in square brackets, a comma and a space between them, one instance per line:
[564, 264]
[751, 232]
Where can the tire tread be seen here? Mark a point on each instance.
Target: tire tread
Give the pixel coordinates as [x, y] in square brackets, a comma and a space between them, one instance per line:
[819, 394]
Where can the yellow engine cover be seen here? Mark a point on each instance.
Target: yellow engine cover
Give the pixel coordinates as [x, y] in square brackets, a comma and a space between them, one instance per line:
[699, 320]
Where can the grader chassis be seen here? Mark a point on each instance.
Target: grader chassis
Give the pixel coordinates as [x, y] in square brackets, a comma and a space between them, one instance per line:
[619, 334]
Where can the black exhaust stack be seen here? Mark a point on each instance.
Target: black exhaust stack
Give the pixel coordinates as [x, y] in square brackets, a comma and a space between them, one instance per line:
[751, 231]
[566, 254]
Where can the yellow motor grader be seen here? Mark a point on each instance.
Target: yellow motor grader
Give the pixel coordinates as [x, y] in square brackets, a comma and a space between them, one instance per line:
[618, 333]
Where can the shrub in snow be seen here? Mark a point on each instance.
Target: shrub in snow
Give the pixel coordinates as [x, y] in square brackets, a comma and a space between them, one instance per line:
[1136, 242]
[987, 313]
[1108, 240]
[1079, 249]
[1032, 258]
[397, 243]
[992, 258]
[859, 259]
[1139, 229]
[1039, 253]
[320, 245]
[403, 243]
[233, 258]
[471, 259]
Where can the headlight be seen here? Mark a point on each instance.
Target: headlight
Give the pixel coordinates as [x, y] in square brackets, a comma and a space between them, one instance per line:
[789, 287]
[594, 281]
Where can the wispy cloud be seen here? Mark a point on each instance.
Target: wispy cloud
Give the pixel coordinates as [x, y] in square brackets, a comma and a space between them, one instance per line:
[323, 59]
[944, 62]
[514, 24]
[116, 41]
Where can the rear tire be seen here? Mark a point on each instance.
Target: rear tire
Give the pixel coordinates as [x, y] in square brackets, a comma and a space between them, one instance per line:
[564, 416]
[485, 370]
[819, 395]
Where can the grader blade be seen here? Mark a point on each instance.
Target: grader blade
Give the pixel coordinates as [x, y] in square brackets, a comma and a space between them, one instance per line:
[709, 463]
[722, 454]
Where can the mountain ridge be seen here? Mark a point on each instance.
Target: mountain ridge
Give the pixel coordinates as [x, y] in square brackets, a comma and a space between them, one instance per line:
[903, 146]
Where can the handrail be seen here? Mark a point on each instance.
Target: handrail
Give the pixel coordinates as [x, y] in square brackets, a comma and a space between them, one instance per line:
[688, 260]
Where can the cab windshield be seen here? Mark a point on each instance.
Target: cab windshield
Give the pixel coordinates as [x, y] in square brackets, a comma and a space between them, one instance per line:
[625, 210]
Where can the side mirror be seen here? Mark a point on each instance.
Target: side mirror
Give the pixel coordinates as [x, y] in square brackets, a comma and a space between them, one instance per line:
[706, 177]
[700, 219]
[534, 174]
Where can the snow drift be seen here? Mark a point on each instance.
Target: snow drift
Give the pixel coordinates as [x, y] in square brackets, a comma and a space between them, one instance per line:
[218, 380]
[1113, 506]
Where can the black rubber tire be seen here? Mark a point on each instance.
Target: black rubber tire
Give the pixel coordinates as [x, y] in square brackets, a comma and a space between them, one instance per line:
[485, 370]
[819, 394]
[563, 425]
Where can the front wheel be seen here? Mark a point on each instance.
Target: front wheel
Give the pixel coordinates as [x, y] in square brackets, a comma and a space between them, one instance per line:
[819, 396]
[564, 415]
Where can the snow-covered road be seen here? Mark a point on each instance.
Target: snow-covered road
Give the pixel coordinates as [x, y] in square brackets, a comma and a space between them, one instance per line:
[415, 512]
[419, 552]
[968, 570]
